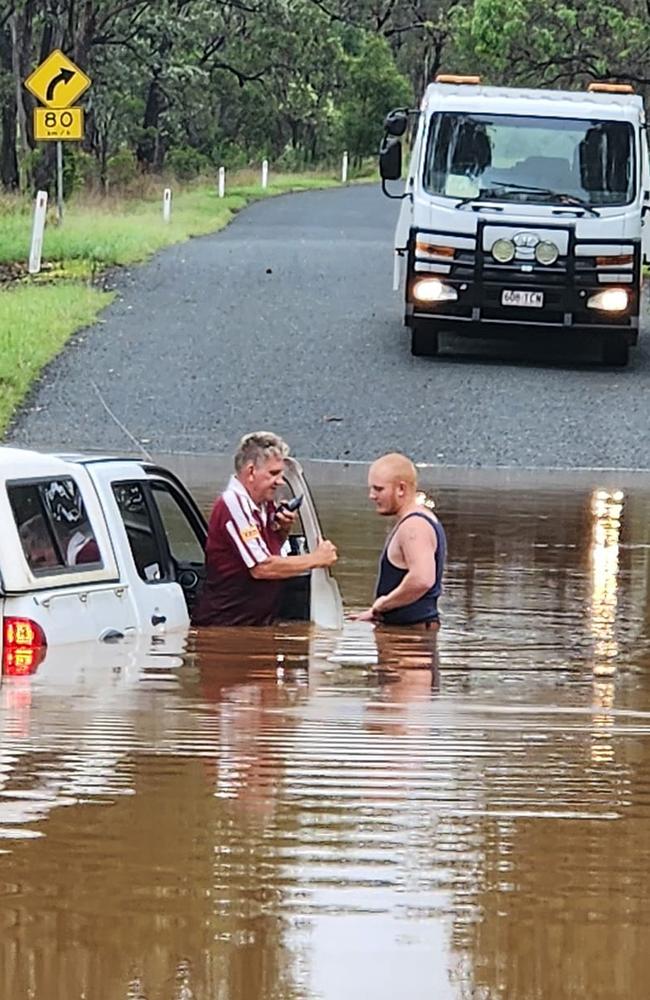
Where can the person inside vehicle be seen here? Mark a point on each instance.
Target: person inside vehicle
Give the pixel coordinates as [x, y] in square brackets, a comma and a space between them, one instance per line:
[412, 562]
[245, 565]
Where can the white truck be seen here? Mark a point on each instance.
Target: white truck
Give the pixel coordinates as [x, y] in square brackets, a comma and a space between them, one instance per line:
[523, 213]
[105, 550]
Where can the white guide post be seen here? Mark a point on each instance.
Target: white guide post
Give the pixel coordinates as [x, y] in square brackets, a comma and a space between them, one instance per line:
[167, 204]
[344, 167]
[265, 174]
[38, 228]
[222, 182]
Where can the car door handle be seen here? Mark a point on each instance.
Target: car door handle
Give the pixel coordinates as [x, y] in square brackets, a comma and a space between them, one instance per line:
[111, 635]
[158, 619]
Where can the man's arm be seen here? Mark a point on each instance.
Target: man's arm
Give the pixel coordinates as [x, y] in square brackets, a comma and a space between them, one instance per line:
[284, 567]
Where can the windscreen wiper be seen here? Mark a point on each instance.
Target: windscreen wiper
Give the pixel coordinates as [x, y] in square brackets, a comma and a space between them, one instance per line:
[562, 197]
[484, 192]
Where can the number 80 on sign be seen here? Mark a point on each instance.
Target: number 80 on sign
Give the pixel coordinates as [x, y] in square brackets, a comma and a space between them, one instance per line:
[59, 124]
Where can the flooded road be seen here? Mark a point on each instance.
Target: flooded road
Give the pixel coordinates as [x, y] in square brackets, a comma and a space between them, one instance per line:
[288, 813]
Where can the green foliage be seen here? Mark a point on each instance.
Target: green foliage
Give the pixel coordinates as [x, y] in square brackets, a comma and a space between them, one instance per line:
[181, 85]
[122, 169]
[572, 43]
[178, 84]
[187, 163]
[374, 86]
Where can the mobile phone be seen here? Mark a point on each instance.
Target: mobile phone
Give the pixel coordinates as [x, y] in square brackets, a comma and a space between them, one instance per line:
[292, 504]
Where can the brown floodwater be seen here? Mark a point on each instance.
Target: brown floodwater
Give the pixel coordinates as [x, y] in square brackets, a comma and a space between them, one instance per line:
[286, 813]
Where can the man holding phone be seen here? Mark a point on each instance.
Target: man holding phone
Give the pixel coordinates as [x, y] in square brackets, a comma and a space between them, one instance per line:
[245, 567]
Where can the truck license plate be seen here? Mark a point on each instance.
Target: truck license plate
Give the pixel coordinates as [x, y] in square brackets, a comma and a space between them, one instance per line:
[529, 300]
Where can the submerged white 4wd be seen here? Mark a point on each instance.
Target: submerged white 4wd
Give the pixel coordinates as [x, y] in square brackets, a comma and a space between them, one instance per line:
[523, 213]
[101, 549]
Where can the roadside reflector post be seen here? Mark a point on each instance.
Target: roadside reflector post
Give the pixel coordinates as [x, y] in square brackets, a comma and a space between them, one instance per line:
[38, 228]
[222, 182]
[265, 174]
[344, 167]
[167, 204]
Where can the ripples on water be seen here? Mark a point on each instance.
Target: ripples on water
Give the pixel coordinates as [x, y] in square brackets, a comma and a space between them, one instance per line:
[287, 814]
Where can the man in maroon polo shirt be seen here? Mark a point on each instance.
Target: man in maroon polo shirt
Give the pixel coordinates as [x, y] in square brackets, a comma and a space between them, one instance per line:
[244, 562]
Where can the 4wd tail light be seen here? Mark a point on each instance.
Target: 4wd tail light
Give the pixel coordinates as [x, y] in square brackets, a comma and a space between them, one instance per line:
[23, 647]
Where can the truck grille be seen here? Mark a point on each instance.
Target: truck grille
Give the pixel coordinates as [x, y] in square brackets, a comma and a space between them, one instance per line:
[587, 267]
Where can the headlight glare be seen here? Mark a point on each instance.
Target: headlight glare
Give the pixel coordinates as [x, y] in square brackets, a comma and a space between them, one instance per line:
[546, 253]
[503, 251]
[609, 300]
[433, 290]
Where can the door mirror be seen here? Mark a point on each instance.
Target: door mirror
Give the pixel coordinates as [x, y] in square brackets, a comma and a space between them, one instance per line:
[390, 159]
[395, 123]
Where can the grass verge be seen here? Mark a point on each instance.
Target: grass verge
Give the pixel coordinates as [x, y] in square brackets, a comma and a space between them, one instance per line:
[39, 315]
[106, 232]
[35, 323]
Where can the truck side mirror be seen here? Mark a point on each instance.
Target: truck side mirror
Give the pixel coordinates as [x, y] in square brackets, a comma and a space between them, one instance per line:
[395, 122]
[390, 159]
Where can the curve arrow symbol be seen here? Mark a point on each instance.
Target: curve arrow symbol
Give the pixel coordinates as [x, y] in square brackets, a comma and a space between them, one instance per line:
[64, 76]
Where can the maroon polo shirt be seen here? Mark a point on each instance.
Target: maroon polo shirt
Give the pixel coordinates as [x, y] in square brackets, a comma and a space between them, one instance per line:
[240, 537]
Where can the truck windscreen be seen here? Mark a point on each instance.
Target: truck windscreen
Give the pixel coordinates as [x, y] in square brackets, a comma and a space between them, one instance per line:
[529, 159]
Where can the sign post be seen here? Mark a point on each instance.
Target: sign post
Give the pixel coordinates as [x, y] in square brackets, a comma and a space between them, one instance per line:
[59, 182]
[57, 83]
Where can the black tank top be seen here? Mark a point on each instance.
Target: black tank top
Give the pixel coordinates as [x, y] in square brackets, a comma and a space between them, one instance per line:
[425, 609]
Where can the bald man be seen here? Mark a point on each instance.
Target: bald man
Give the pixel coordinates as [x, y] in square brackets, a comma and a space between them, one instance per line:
[412, 563]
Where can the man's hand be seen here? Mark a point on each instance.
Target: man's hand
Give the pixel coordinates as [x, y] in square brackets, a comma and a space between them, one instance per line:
[325, 554]
[374, 613]
[283, 521]
[379, 606]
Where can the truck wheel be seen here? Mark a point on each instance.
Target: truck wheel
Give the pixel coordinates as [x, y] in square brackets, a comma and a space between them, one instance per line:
[424, 342]
[616, 352]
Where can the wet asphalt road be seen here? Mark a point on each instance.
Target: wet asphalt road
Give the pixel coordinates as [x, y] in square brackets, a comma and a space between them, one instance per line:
[287, 320]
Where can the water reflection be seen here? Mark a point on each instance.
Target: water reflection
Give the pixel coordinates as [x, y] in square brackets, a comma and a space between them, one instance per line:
[290, 813]
[606, 509]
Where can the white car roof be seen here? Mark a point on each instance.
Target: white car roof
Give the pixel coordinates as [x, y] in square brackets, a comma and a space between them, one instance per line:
[22, 463]
[541, 103]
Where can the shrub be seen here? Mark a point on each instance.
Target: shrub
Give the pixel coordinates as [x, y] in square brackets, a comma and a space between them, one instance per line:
[122, 168]
[187, 163]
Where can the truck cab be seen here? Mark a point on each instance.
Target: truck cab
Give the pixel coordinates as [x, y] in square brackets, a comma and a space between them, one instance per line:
[522, 214]
[102, 549]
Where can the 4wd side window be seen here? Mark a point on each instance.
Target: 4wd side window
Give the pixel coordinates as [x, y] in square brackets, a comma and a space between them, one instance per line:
[54, 529]
[140, 530]
[184, 543]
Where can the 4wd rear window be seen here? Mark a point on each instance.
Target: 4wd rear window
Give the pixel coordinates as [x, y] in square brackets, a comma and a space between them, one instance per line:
[53, 526]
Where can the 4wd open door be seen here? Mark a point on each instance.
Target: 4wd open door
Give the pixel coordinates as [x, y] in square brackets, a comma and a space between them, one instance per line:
[313, 596]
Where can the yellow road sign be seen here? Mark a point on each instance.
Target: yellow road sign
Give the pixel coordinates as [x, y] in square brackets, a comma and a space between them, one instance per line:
[57, 82]
[58, 123]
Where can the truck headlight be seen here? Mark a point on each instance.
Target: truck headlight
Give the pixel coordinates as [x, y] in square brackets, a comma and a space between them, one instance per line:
[503, 251]
[433, 290]
[546, 253]
[609, 300]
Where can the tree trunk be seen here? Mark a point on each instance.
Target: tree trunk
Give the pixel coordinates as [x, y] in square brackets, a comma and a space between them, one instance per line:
[8, 160]
[18, 30]
[149, 147]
